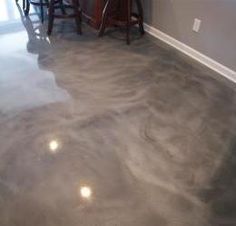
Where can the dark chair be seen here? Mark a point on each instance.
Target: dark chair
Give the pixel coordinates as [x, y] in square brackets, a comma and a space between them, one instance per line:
[38, 41]
[122, 15]
[40, 3]
[76, 14]
[24, 3]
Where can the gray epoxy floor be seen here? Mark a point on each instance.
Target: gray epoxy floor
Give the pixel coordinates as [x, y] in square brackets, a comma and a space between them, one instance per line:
[97, 133]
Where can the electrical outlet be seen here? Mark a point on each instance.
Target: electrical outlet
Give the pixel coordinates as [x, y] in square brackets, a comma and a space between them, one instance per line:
[196, 25]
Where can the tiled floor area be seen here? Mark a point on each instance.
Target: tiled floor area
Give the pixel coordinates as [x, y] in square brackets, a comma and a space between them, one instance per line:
[97, 133]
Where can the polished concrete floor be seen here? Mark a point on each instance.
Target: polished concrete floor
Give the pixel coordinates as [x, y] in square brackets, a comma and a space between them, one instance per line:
[97, 133]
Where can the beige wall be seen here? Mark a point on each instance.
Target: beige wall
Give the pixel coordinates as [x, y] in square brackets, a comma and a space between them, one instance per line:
[217, 36]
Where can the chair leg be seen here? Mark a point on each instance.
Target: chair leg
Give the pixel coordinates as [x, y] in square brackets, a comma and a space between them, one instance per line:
[62, 7]
[104, 18]
[23, 4]
[47, 3]
[50, 17]
[41, 11]
[140, 13]
[27, 8]
[77, 12]
[128, 22]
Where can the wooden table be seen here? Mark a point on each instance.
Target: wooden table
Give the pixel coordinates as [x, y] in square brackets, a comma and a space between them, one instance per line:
[92, 10]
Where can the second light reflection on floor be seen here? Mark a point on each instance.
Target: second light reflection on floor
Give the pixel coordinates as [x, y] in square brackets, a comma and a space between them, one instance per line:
[85, 191]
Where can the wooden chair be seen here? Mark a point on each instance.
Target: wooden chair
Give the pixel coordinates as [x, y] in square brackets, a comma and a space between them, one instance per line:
[121, 18]
[77, 14]
[24, 3]
[40, 3]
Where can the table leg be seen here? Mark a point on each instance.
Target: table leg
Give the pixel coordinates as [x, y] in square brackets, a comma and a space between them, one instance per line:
[104, 17]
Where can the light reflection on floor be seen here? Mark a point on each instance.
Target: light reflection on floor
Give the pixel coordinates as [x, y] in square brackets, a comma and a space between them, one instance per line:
[7, 11]
[22, 44]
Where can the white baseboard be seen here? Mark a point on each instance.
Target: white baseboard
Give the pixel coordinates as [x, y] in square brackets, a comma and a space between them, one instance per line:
[207, 61]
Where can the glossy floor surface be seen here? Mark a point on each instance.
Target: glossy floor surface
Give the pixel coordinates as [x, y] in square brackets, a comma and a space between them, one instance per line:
[97, 133]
